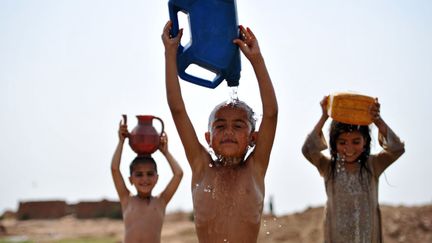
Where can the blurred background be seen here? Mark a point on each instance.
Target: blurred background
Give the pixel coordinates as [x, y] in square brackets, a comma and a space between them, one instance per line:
[69, 69]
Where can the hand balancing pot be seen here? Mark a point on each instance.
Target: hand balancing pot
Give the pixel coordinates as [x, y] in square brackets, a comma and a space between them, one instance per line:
[144, 139]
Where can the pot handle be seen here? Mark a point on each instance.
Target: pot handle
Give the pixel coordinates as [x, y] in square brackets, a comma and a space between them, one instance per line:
[124, 119]
[162, 125]
[125, 123]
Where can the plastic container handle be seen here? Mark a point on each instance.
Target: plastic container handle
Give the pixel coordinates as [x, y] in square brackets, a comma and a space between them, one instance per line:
[202, 82]
[173, 10]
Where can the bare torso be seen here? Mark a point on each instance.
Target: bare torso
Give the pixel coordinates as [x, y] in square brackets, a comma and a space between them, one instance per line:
[143, 220]
[228, 204]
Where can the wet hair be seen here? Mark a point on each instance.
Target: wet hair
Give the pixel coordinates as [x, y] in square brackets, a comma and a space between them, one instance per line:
[336, 129]
[235, 104]
[142, 160]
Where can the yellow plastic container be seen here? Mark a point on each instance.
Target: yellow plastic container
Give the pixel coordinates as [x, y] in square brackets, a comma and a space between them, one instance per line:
[350, 108]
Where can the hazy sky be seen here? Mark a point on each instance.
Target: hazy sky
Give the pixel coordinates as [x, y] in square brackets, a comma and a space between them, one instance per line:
[70, 68]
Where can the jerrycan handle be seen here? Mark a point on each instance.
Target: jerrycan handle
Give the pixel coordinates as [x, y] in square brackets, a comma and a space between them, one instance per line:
[173, 10]
[200, 81]
[173, 14]
[162, 124]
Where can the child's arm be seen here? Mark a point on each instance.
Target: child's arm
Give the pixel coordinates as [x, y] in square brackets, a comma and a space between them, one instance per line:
[393, 147]
[266, 132]
[172, 186]
[119, 183]
[315, 141]
[376, 118]
[324, 116]
[184, 126]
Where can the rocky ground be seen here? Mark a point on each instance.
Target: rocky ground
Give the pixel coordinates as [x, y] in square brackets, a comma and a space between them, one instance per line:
[400, 224]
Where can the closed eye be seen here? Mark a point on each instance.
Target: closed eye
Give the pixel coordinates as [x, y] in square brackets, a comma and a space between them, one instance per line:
[151, 173]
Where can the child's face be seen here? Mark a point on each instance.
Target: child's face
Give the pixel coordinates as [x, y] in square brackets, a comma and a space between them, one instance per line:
[350, 145]
[144, 178]
[230, 132]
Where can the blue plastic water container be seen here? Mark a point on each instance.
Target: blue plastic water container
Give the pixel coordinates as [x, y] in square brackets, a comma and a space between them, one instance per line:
[213, 27]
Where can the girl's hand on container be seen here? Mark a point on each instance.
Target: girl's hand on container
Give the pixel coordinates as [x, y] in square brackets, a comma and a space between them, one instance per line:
[374, 111]
[324, 105]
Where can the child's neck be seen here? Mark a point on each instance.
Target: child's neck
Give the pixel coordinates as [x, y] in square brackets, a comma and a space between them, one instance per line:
[146, 197]
[228, 161]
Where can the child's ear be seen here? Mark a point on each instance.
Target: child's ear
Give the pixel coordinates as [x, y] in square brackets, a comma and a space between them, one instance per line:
[253, 138]
[207, 137]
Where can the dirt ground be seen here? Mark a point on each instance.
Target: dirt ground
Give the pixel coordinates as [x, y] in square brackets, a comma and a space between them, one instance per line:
[400, 224]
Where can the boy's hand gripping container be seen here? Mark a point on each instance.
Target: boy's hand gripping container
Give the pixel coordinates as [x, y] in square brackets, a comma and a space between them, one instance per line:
[350, 108]
[213, 27]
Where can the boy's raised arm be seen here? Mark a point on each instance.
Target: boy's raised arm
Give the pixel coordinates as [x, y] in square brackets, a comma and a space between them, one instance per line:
[177, 171]
[266, 132]
[119, 183]
[184, 126]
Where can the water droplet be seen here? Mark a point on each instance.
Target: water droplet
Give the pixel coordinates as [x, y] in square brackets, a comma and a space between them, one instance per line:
[210, 165]
[208, 188]
[280, 226]
[268, 233]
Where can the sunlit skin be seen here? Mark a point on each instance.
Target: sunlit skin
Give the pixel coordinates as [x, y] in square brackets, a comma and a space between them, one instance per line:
[230, 134]
[350, 146]
[144, 178]
[228, 193]
[143, 213]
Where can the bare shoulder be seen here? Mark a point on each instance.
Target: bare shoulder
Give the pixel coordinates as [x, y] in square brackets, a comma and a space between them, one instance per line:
[124, 201]
[201, 166]
[256, 165]
[140, 206]
[157, 201]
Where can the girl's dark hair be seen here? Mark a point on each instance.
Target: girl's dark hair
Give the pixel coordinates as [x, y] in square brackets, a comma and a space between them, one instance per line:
[336, 129]
[142, 160]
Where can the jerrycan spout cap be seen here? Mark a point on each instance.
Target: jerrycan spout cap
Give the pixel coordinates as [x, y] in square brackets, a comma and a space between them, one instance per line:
[233, 78]
[232, 82]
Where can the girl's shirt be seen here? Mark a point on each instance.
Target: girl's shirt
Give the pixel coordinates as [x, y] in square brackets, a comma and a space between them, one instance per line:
[351, 215]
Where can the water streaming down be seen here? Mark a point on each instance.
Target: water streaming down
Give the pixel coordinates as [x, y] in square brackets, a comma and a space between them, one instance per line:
[218, 189]
[233, 94]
